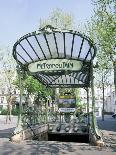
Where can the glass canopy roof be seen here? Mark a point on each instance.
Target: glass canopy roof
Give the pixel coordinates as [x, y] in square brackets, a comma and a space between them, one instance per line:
[57, 58]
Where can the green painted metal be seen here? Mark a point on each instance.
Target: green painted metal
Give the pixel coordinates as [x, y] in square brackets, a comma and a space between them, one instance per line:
[32, 115]
[49, 44]
[19, 122]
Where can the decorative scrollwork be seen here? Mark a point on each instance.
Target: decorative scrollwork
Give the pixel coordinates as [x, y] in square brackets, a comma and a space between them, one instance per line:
[33, 116]
[52, 116]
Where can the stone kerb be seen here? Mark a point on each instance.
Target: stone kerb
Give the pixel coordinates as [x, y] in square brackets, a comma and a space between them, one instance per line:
[29, 133]
[94, 141]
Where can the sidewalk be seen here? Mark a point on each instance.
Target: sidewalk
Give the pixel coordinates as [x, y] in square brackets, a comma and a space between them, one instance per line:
[31, 147]
[10, 124]
[108, 128]
[7, 129]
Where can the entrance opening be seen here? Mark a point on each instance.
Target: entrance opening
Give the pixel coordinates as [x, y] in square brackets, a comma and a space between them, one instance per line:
[60, 59]
[69, 138]
[64, 137]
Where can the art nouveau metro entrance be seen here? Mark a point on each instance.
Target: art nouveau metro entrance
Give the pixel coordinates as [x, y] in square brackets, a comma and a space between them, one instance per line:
[61, 59]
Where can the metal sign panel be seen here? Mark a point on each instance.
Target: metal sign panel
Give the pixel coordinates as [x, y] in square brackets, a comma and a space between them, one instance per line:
[54, 65]
[67, 102]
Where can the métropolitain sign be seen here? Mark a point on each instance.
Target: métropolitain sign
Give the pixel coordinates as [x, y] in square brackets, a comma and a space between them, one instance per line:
[54, 65]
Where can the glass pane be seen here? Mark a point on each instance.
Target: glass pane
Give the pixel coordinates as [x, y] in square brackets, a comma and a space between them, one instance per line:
[64, 77]
[76, 47]
[68, 43]
[28, 48]
[52, 45]
[36, 47]
[76, 81]
[84, 50]
[60, 43]
[53, 78]
[66, 80]
[84, 78]
[23, 53]
[58, 80]
[77, 75]
[81, 77]
[42, 78]
[44, 46]
[20, 59]
[49, 79]
[89, 56]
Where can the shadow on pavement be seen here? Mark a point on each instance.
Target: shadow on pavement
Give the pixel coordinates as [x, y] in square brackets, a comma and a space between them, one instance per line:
[30, 147]
[108, 129]
[6, 133]
[51, 148]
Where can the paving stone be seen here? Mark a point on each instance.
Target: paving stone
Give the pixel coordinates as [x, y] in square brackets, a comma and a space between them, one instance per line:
[31, 147]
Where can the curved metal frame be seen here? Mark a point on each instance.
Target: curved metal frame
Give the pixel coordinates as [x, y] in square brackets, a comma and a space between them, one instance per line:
[82, 78]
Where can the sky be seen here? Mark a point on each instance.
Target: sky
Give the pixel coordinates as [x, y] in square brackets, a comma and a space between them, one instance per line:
[19, 17]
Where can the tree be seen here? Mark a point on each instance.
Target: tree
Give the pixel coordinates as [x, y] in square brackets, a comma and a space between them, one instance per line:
[102, 30]
[59, 19]
[8, 74]
[10, 100]
[102, 81]
[34, 87]
[8, 70]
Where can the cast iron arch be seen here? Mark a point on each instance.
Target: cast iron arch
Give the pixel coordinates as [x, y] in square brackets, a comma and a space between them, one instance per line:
[66, 46]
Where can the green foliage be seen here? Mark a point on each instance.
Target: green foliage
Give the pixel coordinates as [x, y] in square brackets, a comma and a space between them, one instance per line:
[102, 29]
[3, 112]
[15, 111]
[33, 86]
[7, 66]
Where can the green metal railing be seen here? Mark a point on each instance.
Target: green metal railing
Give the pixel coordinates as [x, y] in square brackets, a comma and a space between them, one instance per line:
[33, 116]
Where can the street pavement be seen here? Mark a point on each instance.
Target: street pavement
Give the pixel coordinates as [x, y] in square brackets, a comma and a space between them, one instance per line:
[30, 147]
[108, 128]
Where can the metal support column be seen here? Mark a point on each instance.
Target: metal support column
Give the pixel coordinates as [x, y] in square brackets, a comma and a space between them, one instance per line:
[19, 122]
[93, 99]
[87, 90]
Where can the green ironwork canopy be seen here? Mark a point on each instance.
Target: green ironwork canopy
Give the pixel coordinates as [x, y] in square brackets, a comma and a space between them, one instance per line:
[57, 58]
